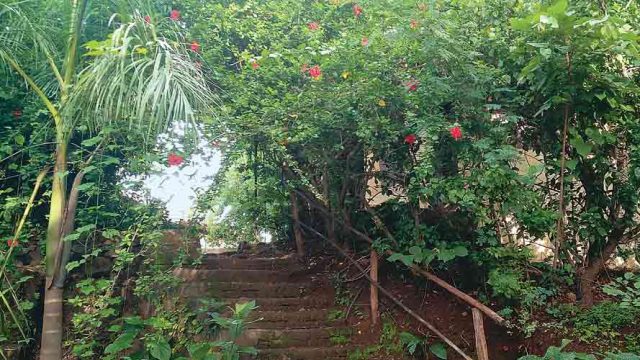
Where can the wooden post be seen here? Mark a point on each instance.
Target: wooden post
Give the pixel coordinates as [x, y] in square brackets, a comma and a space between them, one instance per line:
[296, 225]
[375, 313]
[481, 341]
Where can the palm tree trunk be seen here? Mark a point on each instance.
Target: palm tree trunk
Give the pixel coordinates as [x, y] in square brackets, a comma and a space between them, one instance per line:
[51, 342]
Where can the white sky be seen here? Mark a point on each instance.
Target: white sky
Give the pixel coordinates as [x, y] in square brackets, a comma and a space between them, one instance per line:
[177, 185]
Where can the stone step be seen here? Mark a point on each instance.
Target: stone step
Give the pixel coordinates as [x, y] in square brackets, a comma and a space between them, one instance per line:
[285, 338]
[303, 319]
[286, 304]
[233, 275]
[226, 290]
[304, 353]
[229, 262]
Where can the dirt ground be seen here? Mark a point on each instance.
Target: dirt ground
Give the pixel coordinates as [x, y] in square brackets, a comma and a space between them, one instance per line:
[449, 314]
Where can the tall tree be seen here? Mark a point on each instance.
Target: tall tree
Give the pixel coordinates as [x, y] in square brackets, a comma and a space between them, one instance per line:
[143, 76]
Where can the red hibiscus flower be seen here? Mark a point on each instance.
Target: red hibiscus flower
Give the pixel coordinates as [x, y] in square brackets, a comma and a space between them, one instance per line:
[410, 139]
[255, 65]
[411, 85]
[364, 41]
[174, 159]
[147, 19]
[357, 10]
[12, 242]
[17, 113]
[174, 15]
[313, 26]
[195, 47]
[413, 24]
[315, 72]
[456, 133]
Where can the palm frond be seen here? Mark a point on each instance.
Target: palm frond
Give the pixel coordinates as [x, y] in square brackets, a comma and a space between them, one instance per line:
[29, 43]
[141, 80]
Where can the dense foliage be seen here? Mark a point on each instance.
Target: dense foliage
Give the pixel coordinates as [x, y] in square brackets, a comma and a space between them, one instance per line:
[489, 142]
[468, 137]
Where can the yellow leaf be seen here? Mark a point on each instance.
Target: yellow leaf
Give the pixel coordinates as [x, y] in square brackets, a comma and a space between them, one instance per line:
[346, 74]
[382, 103]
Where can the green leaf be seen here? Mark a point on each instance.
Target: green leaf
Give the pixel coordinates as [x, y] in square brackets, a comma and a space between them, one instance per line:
[199, 351]
[243, 309]
[461, 250]
[159, 348]
[583, 148]
[71, 265]
[558, 8]
[446, 255]
[19, 139]
[123, 342]
[410, 341]
[438, 350]
[571, 164]
[92, 141]
[405, 259]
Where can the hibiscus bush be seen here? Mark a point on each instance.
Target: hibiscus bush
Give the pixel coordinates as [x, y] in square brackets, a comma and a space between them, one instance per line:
[325, 97]
[446, 130]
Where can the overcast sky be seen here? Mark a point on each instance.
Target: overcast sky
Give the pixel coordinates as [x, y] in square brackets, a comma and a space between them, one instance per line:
[177, 185]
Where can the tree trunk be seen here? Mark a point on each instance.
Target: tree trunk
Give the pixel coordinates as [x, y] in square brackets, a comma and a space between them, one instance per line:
[295, 215]
[51, 342]
[589, 274]
[330, 224]
[51, 345]
[57, 207]
[68, 226]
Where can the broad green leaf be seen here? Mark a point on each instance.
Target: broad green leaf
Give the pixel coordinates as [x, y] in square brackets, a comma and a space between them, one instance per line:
[123, 342]
[19, 139]
[159, 348]
[583, 148]
[92, 141]
[460, 251]
[438, 350]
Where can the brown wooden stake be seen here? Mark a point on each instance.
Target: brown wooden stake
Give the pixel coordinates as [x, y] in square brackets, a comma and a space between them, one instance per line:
[296, 224]
[375, 313]
[481, 341]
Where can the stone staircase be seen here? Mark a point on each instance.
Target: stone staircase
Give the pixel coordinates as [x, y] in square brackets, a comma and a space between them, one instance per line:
[292, 318]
